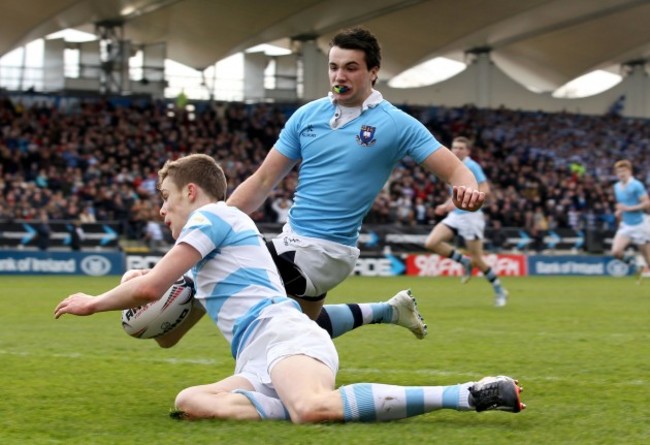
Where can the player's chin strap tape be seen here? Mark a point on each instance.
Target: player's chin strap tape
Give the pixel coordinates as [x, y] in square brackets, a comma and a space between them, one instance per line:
[294, 282]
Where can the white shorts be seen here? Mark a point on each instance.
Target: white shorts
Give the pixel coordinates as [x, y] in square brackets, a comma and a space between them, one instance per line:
[282, 331]
[639, 234]
[323, 264]
[469, 225]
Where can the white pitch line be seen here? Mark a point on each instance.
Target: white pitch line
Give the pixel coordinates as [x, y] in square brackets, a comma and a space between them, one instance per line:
[525, 379]
[76, 355]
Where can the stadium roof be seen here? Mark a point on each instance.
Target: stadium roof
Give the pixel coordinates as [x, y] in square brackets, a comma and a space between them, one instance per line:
[542, 44]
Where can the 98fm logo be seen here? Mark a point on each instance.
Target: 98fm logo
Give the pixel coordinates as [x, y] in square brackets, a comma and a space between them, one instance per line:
[434, 265]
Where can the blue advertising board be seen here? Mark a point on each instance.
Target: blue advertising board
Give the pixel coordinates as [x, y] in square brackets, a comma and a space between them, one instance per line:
[14, 262]
[577, 265]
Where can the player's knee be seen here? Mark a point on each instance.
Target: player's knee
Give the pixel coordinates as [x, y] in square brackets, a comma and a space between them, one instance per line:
[312, 410]
[478, 261]
[185, 400]
[192, 402]
[431, 243]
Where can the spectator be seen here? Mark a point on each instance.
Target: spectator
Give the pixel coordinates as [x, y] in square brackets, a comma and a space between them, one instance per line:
[77, 235]
[97, 151]
[87, 215]
[43, 230]
[153, 234]
[281, 206]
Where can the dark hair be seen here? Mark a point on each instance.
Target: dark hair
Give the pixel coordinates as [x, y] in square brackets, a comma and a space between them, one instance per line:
[199, 169]
[361, 39]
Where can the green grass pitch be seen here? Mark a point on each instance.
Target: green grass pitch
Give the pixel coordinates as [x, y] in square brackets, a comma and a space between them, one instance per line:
[580, 347]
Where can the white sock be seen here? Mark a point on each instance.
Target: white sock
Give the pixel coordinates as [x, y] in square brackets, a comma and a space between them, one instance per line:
[267, 407]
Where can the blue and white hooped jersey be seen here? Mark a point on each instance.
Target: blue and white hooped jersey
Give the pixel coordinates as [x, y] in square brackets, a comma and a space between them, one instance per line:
[342, 170]
[236, 277]
[630, 194]
[479, 174]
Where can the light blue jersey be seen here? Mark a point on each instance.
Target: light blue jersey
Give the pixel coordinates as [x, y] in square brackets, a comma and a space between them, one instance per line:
[342, 170]
[630, 194]
[479, 174]
[237, 277]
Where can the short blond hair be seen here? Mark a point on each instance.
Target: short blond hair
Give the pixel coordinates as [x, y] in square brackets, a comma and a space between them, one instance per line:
[200, 169]
[623, 163]
[463, 140]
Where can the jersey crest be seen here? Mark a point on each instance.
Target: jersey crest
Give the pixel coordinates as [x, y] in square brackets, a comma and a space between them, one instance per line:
[366, 136]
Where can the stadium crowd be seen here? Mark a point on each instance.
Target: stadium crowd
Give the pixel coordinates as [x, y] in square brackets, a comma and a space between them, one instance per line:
[98, 161]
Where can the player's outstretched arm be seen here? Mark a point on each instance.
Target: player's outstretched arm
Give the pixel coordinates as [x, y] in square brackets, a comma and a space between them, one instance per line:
[76, 304]
[136, 291]
[465, 190]
[251, 193]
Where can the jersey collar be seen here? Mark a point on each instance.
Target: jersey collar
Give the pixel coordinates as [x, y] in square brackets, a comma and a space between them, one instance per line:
[371, 101]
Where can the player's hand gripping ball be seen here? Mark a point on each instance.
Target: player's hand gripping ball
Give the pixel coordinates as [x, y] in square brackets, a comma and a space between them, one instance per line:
[161, 316]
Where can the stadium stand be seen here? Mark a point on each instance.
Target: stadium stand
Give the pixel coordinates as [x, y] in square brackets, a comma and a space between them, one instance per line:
[96, 161]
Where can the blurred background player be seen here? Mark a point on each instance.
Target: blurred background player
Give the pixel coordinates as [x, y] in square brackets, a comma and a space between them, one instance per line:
[631, 204]
[469, 225]
[347, 145]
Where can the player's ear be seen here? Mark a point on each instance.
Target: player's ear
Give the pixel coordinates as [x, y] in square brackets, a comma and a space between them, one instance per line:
[374, 74]
[192, 191]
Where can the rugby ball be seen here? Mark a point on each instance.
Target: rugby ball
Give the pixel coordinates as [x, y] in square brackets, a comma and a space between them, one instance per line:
[161, 316]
